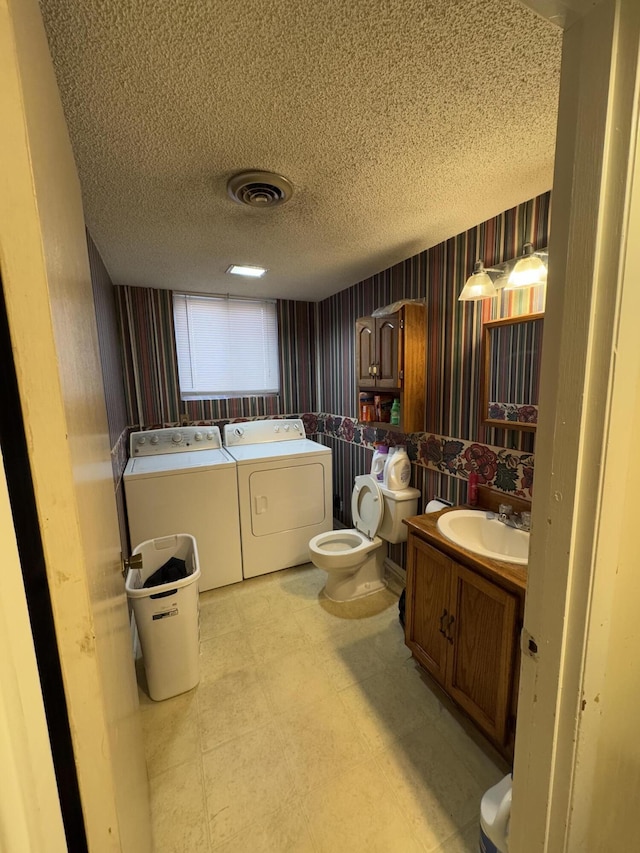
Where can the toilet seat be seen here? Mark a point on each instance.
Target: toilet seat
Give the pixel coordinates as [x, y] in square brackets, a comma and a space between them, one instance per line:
[367, 505]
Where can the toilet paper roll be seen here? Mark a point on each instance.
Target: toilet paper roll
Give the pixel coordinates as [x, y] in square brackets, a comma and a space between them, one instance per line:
[435, 506]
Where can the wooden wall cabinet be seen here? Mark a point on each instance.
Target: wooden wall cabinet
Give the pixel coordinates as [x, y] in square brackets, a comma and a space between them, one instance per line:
[391, 359]
[463, 628]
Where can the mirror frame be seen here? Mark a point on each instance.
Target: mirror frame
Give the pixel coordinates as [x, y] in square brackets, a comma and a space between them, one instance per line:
[486, 365]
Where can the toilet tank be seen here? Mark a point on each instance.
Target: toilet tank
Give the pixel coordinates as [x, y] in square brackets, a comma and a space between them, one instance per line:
[397, 505]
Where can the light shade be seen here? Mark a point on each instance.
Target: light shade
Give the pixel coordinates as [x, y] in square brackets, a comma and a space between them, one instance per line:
[251, 272]
[529, 270]
[478, 286]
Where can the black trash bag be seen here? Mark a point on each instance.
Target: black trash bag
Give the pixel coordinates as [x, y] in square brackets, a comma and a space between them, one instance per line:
[172, 571]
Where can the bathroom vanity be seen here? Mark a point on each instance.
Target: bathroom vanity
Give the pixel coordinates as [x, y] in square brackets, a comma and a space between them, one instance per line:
[463, 620]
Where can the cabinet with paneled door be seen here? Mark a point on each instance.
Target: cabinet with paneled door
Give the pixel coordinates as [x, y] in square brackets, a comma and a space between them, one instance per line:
[390, 363]
[463, 627]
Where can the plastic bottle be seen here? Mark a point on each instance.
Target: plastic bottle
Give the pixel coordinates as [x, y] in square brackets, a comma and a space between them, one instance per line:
[379, 461]
[397, 471]
[395, 411]
[495, 812]
[472, 495]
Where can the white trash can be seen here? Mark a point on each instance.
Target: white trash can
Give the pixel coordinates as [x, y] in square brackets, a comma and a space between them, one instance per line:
[495, 814]
[167, 616]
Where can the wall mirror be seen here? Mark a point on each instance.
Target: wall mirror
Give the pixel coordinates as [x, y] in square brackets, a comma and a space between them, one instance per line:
[512, 350]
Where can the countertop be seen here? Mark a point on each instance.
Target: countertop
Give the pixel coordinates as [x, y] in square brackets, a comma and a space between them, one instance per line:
[510, 575]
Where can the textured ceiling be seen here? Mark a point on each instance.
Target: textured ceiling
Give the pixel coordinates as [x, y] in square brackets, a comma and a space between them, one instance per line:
[399, 122]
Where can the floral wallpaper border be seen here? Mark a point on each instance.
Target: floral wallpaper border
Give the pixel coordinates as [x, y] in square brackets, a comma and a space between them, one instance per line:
[513, 412]
[309, 420]
[499, 467]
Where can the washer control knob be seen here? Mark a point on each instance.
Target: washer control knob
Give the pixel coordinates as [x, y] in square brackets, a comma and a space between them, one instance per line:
[286, 427]
[238, 431]
[276, 429]
[142, 440]
[198, 436]
[155, 440]
[176, 438]
[210, 436]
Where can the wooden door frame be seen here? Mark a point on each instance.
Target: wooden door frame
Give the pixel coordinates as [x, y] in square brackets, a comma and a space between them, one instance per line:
[581, 532]
[30, 814]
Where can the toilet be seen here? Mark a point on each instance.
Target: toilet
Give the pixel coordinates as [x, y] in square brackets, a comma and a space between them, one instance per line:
[354, 559]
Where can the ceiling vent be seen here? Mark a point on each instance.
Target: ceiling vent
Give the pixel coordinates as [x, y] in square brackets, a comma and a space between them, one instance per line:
[259, 189]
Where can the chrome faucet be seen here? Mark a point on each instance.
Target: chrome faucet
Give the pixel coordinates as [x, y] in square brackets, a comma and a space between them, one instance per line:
[521, 521]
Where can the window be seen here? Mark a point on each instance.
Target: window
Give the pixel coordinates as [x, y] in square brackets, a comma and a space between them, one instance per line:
[226, 347]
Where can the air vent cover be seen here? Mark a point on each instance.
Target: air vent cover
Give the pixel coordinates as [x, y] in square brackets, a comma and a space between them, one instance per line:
[259, 189]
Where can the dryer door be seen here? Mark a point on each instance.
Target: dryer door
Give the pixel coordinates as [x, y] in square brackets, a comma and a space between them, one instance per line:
[287, 498]
[367, 505]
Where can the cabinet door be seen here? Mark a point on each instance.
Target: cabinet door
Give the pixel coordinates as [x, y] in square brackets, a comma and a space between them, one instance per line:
[387, 351]
[427, 606]
[482, 631]
[365, 351]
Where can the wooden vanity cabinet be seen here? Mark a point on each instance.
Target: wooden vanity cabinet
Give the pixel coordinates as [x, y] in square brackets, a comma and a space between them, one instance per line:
[463, 629]
[390, 359]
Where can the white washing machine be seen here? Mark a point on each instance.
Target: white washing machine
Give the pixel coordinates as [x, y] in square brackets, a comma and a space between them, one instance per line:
[284, 492]
[183, 481]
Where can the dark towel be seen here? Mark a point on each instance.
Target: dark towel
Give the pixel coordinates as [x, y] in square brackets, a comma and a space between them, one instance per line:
[172, 571]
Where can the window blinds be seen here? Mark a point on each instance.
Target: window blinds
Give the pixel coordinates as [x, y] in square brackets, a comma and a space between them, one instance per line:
[226, 347]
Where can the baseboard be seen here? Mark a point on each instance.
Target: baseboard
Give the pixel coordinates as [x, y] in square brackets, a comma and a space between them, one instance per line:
[395, 575]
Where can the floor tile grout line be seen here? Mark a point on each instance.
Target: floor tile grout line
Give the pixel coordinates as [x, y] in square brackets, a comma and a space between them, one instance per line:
[206, 804]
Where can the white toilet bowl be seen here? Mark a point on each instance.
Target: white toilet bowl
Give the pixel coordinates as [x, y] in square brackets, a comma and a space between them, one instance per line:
[354, 559]
[354, 563]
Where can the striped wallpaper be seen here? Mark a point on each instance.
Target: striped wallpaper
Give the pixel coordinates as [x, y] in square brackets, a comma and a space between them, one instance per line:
[149, 353]
[453, 328]
[452, 381]
[151, 373]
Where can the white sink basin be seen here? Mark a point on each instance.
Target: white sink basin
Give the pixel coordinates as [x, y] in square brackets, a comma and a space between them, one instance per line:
[478, 531]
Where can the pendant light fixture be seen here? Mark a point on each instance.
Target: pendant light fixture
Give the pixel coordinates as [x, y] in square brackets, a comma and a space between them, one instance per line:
[528, 270]
[478, 286]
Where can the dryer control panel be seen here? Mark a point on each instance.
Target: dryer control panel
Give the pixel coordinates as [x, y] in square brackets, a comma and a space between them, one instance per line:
[261, 432]
[152, 442]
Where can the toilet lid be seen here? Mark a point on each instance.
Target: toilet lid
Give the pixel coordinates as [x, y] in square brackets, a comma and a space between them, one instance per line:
[367, 505]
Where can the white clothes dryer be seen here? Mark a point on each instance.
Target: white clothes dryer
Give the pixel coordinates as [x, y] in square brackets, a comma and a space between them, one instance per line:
[284, 492]
[182, 481]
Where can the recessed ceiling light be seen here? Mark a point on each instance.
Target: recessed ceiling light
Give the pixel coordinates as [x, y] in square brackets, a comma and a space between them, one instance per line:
[252, 272]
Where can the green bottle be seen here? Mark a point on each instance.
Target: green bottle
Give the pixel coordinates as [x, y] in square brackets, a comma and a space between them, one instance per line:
[395, 411]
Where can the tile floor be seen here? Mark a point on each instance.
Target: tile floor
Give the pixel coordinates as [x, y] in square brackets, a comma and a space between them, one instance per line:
[311, 730]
